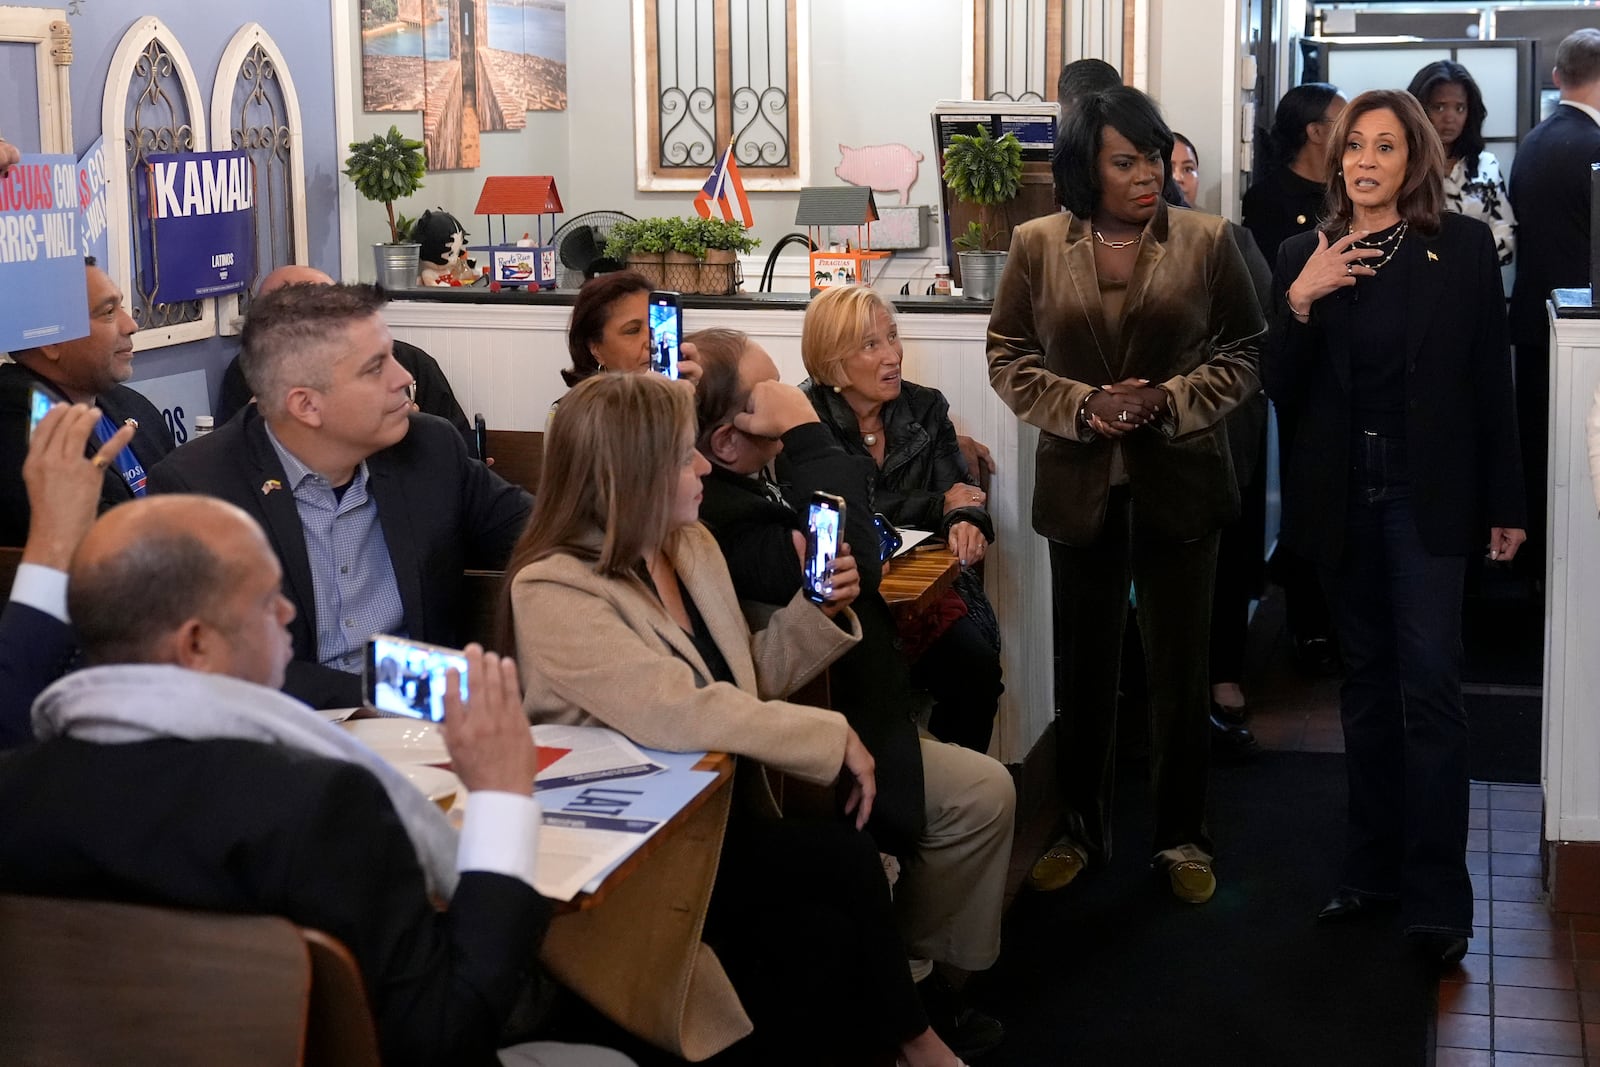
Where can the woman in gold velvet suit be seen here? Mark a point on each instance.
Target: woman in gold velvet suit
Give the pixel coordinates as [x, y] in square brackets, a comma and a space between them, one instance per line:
[1125, 330]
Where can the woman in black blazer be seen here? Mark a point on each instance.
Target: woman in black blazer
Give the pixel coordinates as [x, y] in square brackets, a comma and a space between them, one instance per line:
[1389, 351]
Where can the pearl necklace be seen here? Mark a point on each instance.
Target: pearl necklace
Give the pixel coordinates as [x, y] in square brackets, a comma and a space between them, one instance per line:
[1135, 239]
[870, 439]
[1393, 242]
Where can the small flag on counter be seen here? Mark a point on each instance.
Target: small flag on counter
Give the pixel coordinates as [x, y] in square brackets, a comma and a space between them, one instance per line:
[723, 187]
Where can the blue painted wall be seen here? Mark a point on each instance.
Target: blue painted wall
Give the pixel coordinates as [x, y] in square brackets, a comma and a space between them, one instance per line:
[301, 29]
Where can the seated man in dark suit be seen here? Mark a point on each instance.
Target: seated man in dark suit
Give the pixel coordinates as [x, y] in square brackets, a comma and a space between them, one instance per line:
[374, 510]
[432, 393]
[170, 770]
[87, 370]
[36, 640]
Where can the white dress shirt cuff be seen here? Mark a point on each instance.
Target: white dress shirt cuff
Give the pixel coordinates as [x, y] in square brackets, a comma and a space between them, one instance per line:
[41, 588]
[500, 835]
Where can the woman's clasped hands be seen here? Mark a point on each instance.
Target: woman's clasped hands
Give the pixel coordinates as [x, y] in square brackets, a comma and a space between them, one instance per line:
[1120, 408]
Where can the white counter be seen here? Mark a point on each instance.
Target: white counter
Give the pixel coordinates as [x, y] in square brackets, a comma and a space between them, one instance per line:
[504, 360]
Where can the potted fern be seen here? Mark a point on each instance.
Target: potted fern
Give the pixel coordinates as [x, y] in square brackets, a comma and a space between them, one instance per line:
[385, 168]
[985, 171]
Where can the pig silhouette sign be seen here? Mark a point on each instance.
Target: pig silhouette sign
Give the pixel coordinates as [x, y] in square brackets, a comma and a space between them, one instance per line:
[881, 167]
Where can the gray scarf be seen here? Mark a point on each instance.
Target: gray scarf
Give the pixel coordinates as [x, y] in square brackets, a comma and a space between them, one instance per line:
[144, 702]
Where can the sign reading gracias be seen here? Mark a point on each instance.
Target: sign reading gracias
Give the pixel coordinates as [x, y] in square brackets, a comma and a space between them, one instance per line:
[196, 222]
[43, 299]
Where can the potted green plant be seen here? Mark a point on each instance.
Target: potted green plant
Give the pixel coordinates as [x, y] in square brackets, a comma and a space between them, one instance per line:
[641, 243]
[386, 168]
[985, 171]
[689, 255]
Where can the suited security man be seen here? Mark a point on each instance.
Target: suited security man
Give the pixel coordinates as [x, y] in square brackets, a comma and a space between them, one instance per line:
[177, 713]
[85, 370]
[374, 510]
[1550, 192]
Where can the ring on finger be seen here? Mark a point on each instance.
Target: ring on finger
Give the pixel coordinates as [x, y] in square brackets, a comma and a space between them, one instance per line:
[100, 463]
[1350, 269]
[1122, 416]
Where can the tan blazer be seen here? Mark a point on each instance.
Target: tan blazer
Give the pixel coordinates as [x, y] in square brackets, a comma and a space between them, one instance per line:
[1190, 323]
[602, 650]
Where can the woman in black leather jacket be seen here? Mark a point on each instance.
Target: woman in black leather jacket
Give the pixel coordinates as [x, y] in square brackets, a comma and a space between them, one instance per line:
[851, 348]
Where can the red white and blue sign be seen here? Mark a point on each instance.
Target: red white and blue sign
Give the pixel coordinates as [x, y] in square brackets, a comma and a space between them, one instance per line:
[44, 297]
[196, 224]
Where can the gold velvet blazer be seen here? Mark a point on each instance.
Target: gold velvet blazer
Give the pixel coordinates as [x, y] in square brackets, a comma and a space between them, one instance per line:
[1190, 323]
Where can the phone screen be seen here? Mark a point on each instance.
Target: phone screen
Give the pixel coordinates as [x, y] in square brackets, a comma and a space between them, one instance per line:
[823, 523]
[666, 331]
[39, 402]
[406, 677]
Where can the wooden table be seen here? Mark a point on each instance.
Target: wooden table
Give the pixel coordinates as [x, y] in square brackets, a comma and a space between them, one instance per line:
[914, 582]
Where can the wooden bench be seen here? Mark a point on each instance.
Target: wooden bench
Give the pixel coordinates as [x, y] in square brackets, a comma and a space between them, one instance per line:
[518, 456]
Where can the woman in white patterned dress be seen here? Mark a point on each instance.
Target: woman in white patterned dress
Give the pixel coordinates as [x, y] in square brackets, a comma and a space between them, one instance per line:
[1473, 186]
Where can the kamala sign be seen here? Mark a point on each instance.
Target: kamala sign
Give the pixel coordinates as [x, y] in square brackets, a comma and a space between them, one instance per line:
[196, 224]
[43, 299]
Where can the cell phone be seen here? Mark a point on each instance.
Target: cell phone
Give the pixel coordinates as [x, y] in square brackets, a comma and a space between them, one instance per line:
[480, 437]
[824, 520]
[39, 404]
[666, 332]
[406, 677]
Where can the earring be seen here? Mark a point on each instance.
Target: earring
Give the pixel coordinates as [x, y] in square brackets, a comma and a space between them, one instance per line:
[838, 388]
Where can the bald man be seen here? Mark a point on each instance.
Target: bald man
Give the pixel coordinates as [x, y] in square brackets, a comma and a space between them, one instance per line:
[85, 370]
[374, 509]
[432, 393]
[177, 712]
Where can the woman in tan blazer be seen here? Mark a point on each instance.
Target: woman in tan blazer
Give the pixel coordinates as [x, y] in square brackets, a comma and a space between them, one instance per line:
[624, 615]
[1125, 330]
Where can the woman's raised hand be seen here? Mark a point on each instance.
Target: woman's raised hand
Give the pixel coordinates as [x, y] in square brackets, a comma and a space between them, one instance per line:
[1331, 267]
[860, 766]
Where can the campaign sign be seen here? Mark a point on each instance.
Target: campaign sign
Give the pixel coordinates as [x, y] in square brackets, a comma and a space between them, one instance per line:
[93, 181]
[196, 224]
[44, 295]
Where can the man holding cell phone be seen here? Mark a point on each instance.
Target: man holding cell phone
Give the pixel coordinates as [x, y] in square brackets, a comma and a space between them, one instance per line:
[179, 712]
[85, 370]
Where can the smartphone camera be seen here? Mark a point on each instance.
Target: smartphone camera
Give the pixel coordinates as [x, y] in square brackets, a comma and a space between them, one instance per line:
[404, 677]
[824, 520]
[666, 333]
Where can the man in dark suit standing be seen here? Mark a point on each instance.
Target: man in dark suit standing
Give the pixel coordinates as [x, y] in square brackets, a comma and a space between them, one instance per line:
[177, 712]
[374, 510]
[87, 370]
[1550, 183]
[36, 640]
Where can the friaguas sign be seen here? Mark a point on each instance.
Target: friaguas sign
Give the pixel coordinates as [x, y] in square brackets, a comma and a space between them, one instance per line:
[197, 224]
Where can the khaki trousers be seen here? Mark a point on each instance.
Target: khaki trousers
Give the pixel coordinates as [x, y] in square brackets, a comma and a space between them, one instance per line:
[950, 893]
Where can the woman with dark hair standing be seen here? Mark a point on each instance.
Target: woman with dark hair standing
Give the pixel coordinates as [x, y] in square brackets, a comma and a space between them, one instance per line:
[610, 326]
[1286, 197]
[1389, 349]
[1126, 331]
[1473, 187]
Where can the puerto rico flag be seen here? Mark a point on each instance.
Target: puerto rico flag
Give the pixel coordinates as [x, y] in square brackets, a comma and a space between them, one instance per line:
[722, 189]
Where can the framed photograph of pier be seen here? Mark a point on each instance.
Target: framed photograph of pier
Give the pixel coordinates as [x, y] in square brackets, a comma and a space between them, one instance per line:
[472, 67]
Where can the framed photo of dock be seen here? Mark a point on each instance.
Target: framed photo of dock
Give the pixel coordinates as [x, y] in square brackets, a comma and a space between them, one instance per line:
[472, 67]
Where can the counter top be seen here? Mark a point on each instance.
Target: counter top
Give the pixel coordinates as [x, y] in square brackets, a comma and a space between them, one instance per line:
[905, 305]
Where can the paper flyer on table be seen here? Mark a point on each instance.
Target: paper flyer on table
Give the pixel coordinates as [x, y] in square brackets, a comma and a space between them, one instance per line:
[589, 829]
[573, 755]
[910, 539]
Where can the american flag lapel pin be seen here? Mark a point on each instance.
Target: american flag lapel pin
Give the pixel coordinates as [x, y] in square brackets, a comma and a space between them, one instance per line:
[1432, 257]
[269, 485]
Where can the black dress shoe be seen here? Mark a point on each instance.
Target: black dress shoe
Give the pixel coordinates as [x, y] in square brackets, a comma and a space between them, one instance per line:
[1316, 657]
[1229, 741]
[1345, 906]
[1439, 948]
[1239, 716]
[969, 1032]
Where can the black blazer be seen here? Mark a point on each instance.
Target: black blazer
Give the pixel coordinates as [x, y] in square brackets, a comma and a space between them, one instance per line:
[35, 650]
[441, 513]
[236, 826]
[1550, 193]
[151, 442]
[1461, 427]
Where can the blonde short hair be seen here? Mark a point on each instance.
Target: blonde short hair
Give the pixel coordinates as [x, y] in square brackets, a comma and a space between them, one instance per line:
[836, 321]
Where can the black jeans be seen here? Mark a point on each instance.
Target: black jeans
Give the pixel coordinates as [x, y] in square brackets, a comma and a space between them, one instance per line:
[1397, 611]
[1172, 581]
[961, 672]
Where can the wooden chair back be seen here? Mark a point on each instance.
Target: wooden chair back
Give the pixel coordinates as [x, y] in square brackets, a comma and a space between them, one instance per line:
[518, 456]
[91, 982]
[480, 607]
[339, 1028]
[10, 560]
